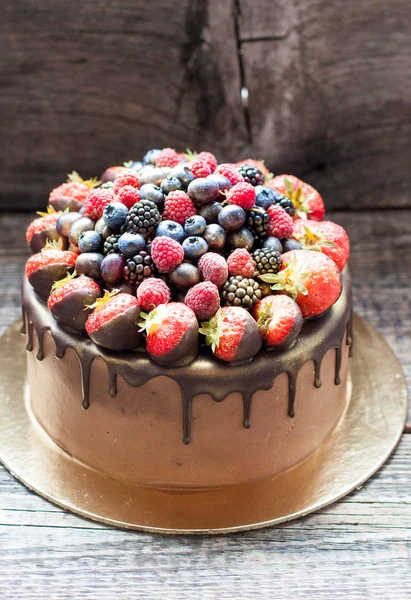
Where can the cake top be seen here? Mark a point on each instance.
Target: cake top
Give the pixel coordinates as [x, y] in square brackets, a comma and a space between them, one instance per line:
[179, 250]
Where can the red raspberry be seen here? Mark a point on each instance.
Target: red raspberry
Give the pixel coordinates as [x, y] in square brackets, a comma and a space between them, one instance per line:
[151, 292]
[199, 168]
[96, 202]
[240, 262]
[203, 299]
[168, 157]
[281, 224]
[127, 178]
[178, 207]
[128, 195]
[230, 172]
[213, 268]
[166, 253]
[242, 194]
[209, 159]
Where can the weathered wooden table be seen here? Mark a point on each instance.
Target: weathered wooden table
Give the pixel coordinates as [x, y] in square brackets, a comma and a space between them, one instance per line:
[359, 548]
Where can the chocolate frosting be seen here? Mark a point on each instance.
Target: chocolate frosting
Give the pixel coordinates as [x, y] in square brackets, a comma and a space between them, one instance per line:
[206, 375]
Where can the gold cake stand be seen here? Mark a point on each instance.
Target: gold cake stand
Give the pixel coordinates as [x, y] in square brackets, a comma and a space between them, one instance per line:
[365, 437]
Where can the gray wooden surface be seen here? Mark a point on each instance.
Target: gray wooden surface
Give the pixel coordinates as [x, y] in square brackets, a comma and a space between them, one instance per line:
[329, 84]
[357, 549]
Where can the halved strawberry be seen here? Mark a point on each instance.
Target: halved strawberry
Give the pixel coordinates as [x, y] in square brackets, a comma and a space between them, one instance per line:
[279, 319]
[48, 266]
[70, 299]
[324, 236]
[307, 201]
[113, 324]
[233, 335]
[71, 195]
[43, 229]
[312, 279]
[172, 334]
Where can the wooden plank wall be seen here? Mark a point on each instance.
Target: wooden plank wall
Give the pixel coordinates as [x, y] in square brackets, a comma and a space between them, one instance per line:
[83, 85]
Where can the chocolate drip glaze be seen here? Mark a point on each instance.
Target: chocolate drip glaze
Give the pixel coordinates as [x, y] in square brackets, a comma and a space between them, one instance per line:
[206, 375]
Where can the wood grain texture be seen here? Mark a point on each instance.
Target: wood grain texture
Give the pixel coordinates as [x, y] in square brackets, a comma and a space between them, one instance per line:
[328, 90]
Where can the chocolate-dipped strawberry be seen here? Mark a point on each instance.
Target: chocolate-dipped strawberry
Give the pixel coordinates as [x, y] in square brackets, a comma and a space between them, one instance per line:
[113, 322]
[71, 195]
[48, 266]
[279, 320]
[70, 300]
[172, 334]
[233, 335]
[43, 229]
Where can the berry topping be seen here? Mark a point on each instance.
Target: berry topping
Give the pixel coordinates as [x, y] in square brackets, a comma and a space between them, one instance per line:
[127, 178]
[209, 159]
[241, 291]
[232, 334]
[168, 157]
[241, 194]
[199, 168]
[251, 174]
[203, 191]
[240, 262]
[230, 172]
[178, 207]
[324, 236]
[166, 253]
[152, 292]
[257, 221]
[128, 195]
[213, 268]
[281, 224]
[139, 267]
[111, 244]
[143, 218]
[267, 260]
[115, 214]
[312, 279]
[96, 201]
[203, 299]
[307, 201]
[279, 320]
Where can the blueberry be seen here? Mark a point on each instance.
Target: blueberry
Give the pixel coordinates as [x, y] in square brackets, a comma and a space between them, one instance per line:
[89, 264]
[183, 174]
[115, 214]
[171, 229]
[264, 196]
[185, 276]
[152, 192]
[215, 237]
[154, 175]
[243, 238]
[131, 243]
[223, 183]
[273, 243]
[151, 156]
[112, 267]
[89, 241]
[65, 221]
[290, 244]
[211, 211]
[195, 225]
[194, 247]
[203, 191]
[231, 217]
[136, 165]
[78, 227]
[170, 184]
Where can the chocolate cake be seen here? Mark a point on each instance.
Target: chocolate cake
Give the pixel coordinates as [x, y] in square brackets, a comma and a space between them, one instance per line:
[188, 323]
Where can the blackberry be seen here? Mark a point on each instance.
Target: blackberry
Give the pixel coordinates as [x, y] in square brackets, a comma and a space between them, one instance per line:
[139, 267]
[257, 221]
[284, 202]
[111, 244]
[143, 218]
[241, 291]
[267, 260]
[252, 175]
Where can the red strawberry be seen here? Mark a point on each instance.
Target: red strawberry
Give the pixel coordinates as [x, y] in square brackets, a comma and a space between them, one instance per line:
[312, 279]
[113, 324]
[279, 319]
[233, 335]
[324, 236]
[48, 266]
[307, 201]
[172, 334]
[112, 173]
[69, 300]
[42, 230]
[71, 194]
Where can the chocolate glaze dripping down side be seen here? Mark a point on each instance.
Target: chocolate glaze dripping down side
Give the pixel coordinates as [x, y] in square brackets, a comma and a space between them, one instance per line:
[206, 375]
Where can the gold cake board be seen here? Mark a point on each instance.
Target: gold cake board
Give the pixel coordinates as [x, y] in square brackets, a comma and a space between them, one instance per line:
[365, 437]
